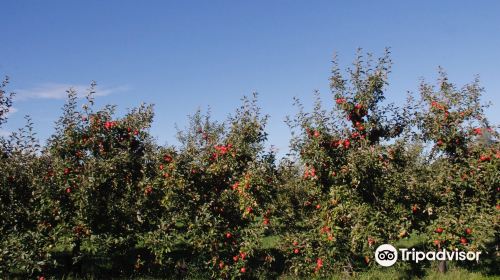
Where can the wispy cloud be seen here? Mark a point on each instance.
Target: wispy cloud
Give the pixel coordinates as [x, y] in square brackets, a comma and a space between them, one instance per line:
[59, 91]
[12, 110]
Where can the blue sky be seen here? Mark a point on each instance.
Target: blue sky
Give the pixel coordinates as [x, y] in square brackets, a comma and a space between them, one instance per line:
[184, 55]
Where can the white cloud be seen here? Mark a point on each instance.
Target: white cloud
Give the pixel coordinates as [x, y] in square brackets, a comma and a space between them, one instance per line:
[58, 91]
[12, 110]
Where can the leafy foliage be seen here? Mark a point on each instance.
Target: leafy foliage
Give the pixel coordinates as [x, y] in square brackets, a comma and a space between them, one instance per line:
[101, 197]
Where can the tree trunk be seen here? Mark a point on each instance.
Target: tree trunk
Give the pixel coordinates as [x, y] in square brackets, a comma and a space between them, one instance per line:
[442, 267]
[76, 261]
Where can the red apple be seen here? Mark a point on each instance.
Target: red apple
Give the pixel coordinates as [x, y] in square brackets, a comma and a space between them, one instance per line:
[108, 125]
[167, 158]
[484, 158]
[371, 241]
[347, 143]
[319, 263]
[312, 172]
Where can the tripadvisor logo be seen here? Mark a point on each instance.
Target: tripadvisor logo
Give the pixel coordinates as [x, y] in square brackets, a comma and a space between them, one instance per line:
[387, 255]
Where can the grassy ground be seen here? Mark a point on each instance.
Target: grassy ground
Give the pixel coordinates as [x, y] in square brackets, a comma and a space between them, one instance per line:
[453, 274]
[375, 274]
[426, 270]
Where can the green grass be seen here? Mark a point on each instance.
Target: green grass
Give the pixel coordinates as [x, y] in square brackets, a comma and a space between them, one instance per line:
[431, 274]
[459, 274]
[395, 274]
[270, 243]
[374, 274]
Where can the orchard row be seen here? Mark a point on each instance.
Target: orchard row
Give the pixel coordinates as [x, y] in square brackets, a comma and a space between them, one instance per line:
[102, 196]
